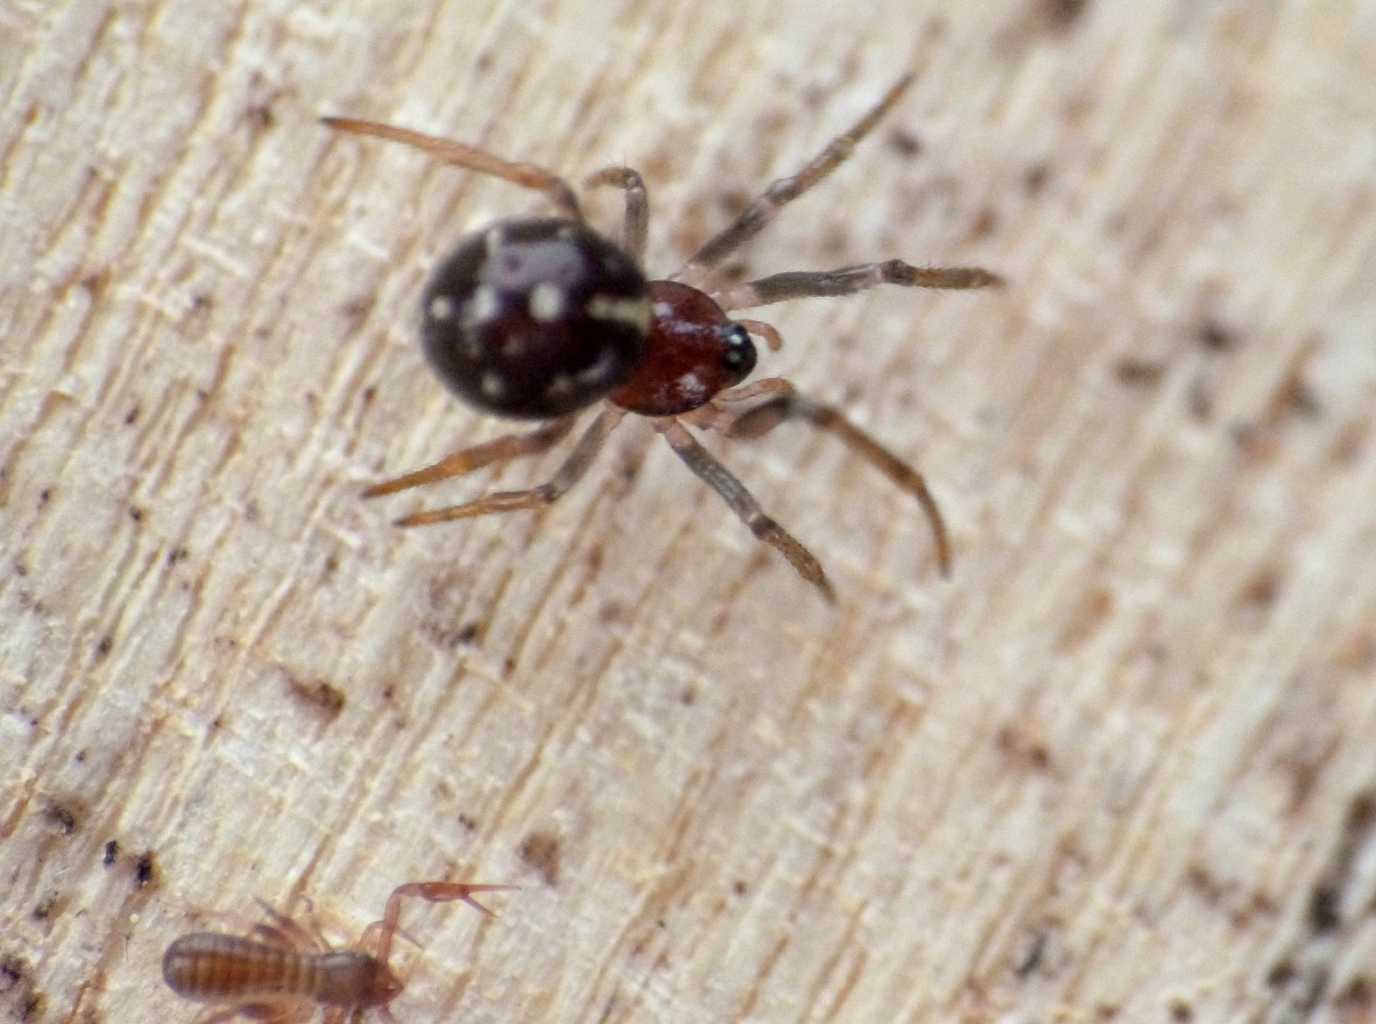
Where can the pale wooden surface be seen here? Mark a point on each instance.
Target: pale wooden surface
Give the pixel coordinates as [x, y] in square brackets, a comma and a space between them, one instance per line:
[1120, 768]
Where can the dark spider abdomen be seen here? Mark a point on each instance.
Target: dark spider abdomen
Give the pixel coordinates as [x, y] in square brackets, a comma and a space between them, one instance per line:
[535, 318]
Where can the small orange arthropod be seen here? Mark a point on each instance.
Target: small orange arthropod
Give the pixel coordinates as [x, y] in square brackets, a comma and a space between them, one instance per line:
[283, 974]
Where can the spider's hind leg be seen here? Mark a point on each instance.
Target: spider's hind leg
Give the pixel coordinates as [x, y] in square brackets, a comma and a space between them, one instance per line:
[500, 449]
[472, 158]
[535, 497]
[637, 222]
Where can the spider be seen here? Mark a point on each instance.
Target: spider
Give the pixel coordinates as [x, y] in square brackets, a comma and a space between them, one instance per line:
[538, 318]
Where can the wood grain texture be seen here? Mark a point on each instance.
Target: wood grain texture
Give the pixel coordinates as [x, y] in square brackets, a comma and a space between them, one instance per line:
[1119, 768]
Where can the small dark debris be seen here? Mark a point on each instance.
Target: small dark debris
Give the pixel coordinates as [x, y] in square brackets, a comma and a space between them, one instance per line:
[540, 850]
[470, 824]
[136, 513]
[177, 554]
[323, 696]
[688, 697]
[106, 644]
[1203, 882]
[111, 853]
[1200, 401]
[1036, 952]
[145, 870]
[357, 309]
[32, 1007]
[1018, 746]
[1325, 914]
[1298, 396]
[45, 907]
[1282, 972]
[1214, 336]
[1357, 995]
[629, 467]
[44, 495]
[368, 394]
[95, 282]
[733, 201]
[1251, 439]
[131, 417]
[1181, 1010]
[986, 223]
[260, 116]
[1261, 591]
[1140, 373]
[1062, 14]
[1036, 177]
[739, 887]
[62, 817]
[12, 971]
[470, 634]
[905, 143]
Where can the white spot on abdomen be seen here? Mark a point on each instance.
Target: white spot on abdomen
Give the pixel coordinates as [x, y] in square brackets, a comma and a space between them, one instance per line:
[632, 312]
[482, 307]
[492, 385]
[547, 301]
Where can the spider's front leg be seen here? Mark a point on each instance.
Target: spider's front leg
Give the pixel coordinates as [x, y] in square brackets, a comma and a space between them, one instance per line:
[699, 269]
[817, 284]
[734, 493]
[783, 402]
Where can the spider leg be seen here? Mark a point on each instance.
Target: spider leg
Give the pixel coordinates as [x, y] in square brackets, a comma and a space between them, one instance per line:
[637, 222]
[536, 497]
[783, 191]
[460, 155]
[733, 492]
[500, 449]
[849, 280]
[787, 404]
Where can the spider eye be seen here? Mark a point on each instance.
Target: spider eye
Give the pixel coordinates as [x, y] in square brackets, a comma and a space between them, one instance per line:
[739, 350]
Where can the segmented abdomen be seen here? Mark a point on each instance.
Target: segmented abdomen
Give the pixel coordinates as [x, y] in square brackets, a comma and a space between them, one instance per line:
[220, 968]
